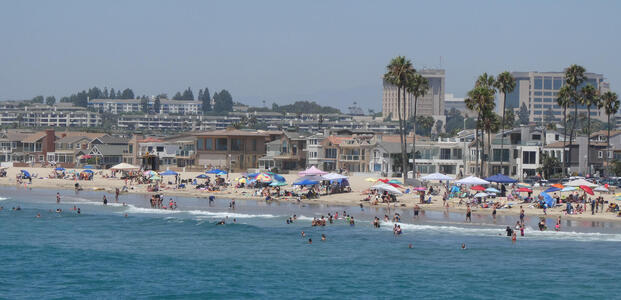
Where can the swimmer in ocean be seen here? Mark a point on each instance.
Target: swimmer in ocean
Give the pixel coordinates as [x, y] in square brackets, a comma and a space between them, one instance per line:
[57, 197]
[463, 246]
[105, 200]
[78, 210]
[323, 237]
[303, 234]
[38, 216]
[410, 246]
[310, 241]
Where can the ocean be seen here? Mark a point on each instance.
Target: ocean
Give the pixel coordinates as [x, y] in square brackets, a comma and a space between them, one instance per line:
[153, 253]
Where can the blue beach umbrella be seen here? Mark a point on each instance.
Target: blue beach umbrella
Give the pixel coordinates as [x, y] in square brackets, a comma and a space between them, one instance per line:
[279, 178]
[215, 171]
[169, 172]
[87, 171]
[88, 167]
[552, 190]
[25, 173]
[306, 182]
[202, 176]
[221, 173]
[60, 169]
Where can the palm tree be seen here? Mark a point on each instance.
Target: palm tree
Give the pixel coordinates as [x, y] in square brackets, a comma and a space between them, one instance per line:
[505, 83]
[490, 122]
[480, 100]
[398, 72]
[589, 97]
[610, 103]
[574, 77]
[418, 86]
[563, 100]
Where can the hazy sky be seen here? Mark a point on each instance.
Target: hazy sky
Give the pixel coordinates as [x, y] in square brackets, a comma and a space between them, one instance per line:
[334, 52]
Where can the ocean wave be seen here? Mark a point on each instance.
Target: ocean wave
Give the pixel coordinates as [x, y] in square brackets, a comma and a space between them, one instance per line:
[197, 213]
[3, 198]
[530, 233]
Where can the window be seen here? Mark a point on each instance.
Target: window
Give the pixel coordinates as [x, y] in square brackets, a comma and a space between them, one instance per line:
[254, 145]
[609, 154]
[515, 153]
[445, 153]
[538, 99]
[538, 83]
[536, 137]
[284, 147]
[208, 144]
[600, 154]
[496, 154]
[529, 157]
[558, 82]
[236, 144]
[159, 149]
[330, 153]
[200, 144]
[547, 83]
[457, 153]
[221, 145]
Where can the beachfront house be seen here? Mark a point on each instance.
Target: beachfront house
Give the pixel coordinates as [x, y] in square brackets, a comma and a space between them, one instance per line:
[230, 149]
[286, 153]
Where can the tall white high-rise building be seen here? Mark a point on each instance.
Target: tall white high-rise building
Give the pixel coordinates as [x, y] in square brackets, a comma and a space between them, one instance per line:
[432, 104]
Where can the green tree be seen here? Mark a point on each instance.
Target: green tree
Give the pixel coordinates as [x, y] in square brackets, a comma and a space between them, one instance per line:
[157, 105]
[50, 100]
[223, 101]
[610, 103]
[37, 99]
[454, 120]
[564, 100]
[178, 96]
[589, 98]
[424, 124]
[112, 94]
[94, 93]
[127, 94]
[144, 105]
[187, 94]
[490, 123]
[105, 93]
[509, 119]
[398, 72]
[417, 86]
[549, 165]
[205, 98]
[505, 83]
[439, 125]
[523, 115]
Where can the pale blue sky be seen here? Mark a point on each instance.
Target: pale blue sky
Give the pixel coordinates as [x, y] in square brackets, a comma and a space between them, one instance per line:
[333, 52]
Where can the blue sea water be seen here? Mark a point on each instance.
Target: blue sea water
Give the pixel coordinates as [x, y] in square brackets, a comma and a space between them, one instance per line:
[150, 253]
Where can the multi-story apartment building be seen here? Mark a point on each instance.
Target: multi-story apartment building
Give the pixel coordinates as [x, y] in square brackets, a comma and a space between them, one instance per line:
[538, 91]
[230, 149]
[41, 115]
[432, 104]
[118, 106]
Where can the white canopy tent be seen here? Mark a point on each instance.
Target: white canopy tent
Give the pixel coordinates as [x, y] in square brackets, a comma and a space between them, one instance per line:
[437, 176]
[333, 176]
[472, 180]
[382, 187]
[579, 182]
[125, 167]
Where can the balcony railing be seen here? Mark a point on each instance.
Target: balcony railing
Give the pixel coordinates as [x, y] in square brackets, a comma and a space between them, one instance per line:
[352, 157]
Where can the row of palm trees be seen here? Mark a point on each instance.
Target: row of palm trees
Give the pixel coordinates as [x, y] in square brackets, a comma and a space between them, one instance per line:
[588, 96]
[401, 73]
[481, 99]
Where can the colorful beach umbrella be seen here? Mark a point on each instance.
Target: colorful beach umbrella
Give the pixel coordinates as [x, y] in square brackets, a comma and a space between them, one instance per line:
[481, 195]
[155, 177]
[587, 189]
[569, 189]
[395, 181]
[264, 177]
[278, 183]
[420, 188]
[202, 176]
[601, 189]
[527, 190]
[169, 173]
[477, 188]
[524, 185]
[492, 190]
[59, 169]
[558, 185]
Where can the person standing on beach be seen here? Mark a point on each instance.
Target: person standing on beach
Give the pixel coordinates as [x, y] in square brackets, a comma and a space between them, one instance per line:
[105, 200]
[416, 210]
[468, 214]
[522, 215]
[592, 206]
[116, 195]
[494, 212]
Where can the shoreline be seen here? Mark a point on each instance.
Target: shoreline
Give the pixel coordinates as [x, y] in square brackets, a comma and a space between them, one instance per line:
[352, 199]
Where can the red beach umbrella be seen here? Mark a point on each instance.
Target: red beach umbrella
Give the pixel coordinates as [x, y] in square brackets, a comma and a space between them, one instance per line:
[524, 190]
[587, 189]
[477, 188]
[383, 180]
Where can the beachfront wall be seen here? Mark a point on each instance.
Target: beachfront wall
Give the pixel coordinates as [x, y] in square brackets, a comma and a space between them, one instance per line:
[230, 149]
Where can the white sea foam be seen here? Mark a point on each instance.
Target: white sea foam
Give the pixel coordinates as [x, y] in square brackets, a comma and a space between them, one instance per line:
[530, 233]
[197, 213]
[3, 198]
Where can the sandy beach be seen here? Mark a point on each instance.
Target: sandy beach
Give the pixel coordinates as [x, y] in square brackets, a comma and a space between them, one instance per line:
[358, 186]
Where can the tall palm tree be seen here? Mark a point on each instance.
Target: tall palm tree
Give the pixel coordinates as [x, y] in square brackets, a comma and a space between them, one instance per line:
[490, 122]
[574, 77]
[398, 72]
[480, 100]
[418, 86]
[505, 83]
[563, 100]
[486, 81]
[589, 97]
[610, 103]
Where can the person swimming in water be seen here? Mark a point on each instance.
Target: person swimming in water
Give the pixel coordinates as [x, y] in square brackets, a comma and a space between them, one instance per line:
[57, 197]
[105, 200]
[463, 246]
[78, 210]
[303, 234]
[222, 222]
[38, 216]
[323, 237]
[310, 241]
